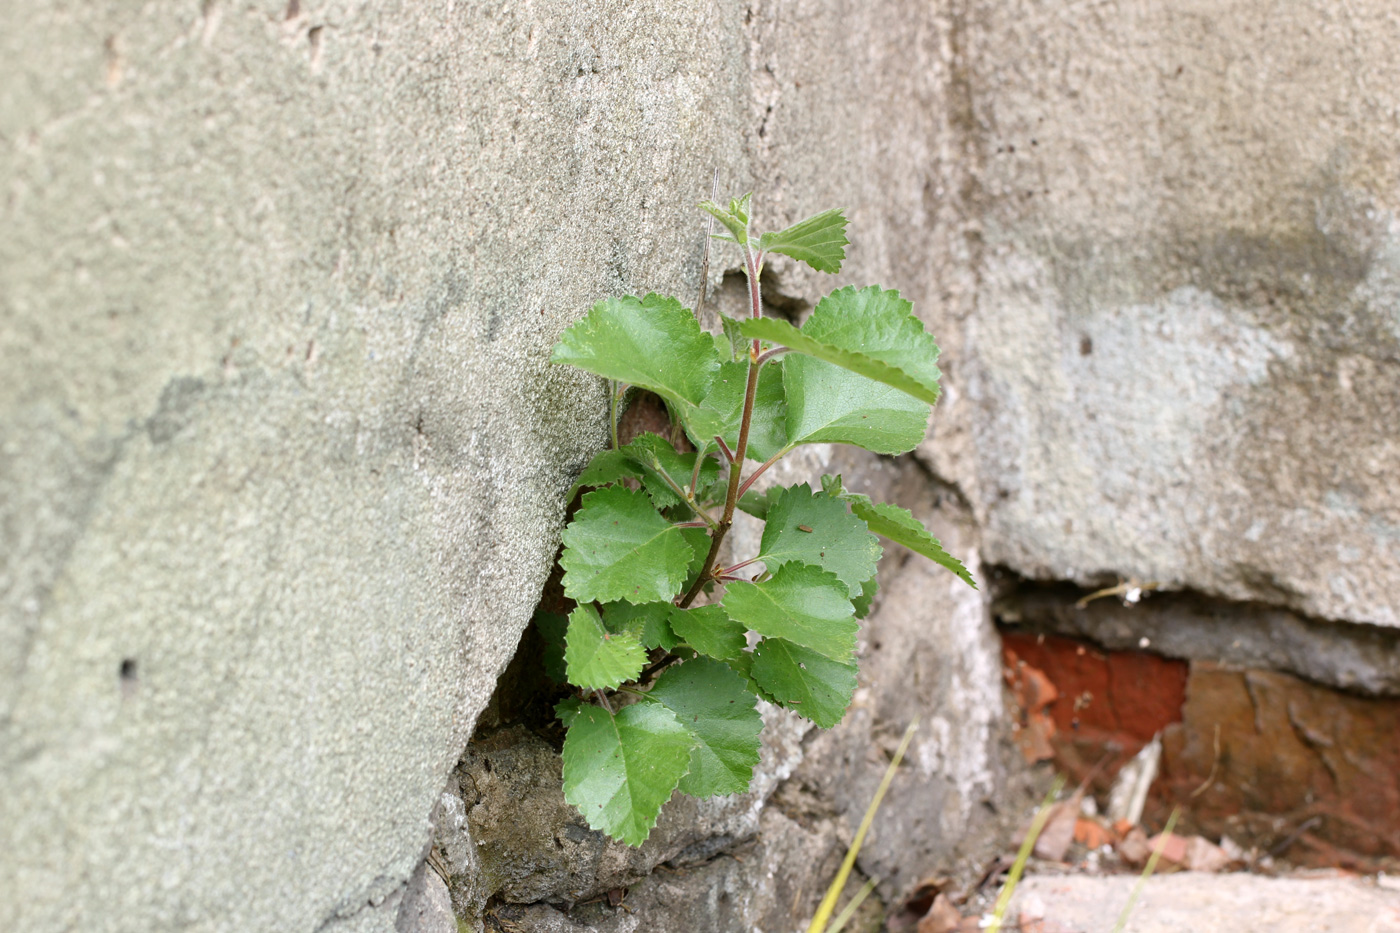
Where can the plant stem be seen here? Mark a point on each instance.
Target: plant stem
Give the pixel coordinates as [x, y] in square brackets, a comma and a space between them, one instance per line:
[752, 268]
[687, 497]
[759, 472]
[695, 473]
[729, 571]
[645, 675]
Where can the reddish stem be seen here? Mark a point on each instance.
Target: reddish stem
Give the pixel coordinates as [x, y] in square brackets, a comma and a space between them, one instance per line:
[752, 265]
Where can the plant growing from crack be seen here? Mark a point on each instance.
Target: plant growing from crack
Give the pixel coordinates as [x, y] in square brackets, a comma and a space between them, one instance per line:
[670, 649]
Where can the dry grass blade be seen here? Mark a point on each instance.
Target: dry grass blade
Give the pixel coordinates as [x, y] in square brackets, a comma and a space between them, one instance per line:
[1014, 878]
[1147, 871]
[849, 910]
[828, 904]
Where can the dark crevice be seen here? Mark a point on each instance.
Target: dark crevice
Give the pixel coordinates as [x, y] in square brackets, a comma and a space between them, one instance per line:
[1354, 657]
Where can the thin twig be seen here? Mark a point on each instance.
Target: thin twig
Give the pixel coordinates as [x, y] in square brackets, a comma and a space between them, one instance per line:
[772, 352]
[724, 448]
[1122, 589]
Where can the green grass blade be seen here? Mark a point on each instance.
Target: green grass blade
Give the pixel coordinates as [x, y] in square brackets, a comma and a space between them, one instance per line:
[828, 904]
[1147, 871]
[1042, 816]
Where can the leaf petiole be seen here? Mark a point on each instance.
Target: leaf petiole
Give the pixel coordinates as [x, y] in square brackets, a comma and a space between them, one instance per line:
[695, 473]
[765, 465]
[772, 353]
[729, 571]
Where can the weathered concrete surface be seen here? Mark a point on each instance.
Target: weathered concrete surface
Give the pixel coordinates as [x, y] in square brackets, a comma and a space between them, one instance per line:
[1193, 901]
[772, 882]
[281, 461]
[927, 651]
[1182, 357]
[529, 845]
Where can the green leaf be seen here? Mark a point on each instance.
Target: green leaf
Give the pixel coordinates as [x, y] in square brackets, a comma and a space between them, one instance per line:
[652, 342]
[901, 527]
[597, 659]
[620, 770]
[821, 532]
[756, 504]
[735, 217]
[607, 467]
[723, 409]
[568, 709]
[827, 404]
[618, 547]
[715, 705]
[805, 605]
[819, 241]
[655, 457]
[742, 664]
[552, 627]
[699, 541]
[734, 340]
[649, 623]
[869, 331]
[710, 631]
[866, 597]
[814, 686]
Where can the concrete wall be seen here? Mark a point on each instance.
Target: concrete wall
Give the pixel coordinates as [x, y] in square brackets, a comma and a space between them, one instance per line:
[1182, 357]
[282, 465]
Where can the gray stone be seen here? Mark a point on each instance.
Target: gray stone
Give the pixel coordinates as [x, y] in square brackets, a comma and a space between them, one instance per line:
[282, 463]
[1180, 354]
[1195, 901]
[530, 845]
[773, 883]
[426, 905]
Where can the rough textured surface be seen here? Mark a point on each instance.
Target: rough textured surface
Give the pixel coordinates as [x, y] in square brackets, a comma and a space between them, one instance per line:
[927, 650]
[1304, 772]
[281, 464]
[770, 883]
[1180, 361]
[532, 846]
[281, 461]
[1188, 901]
[1289, 769]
